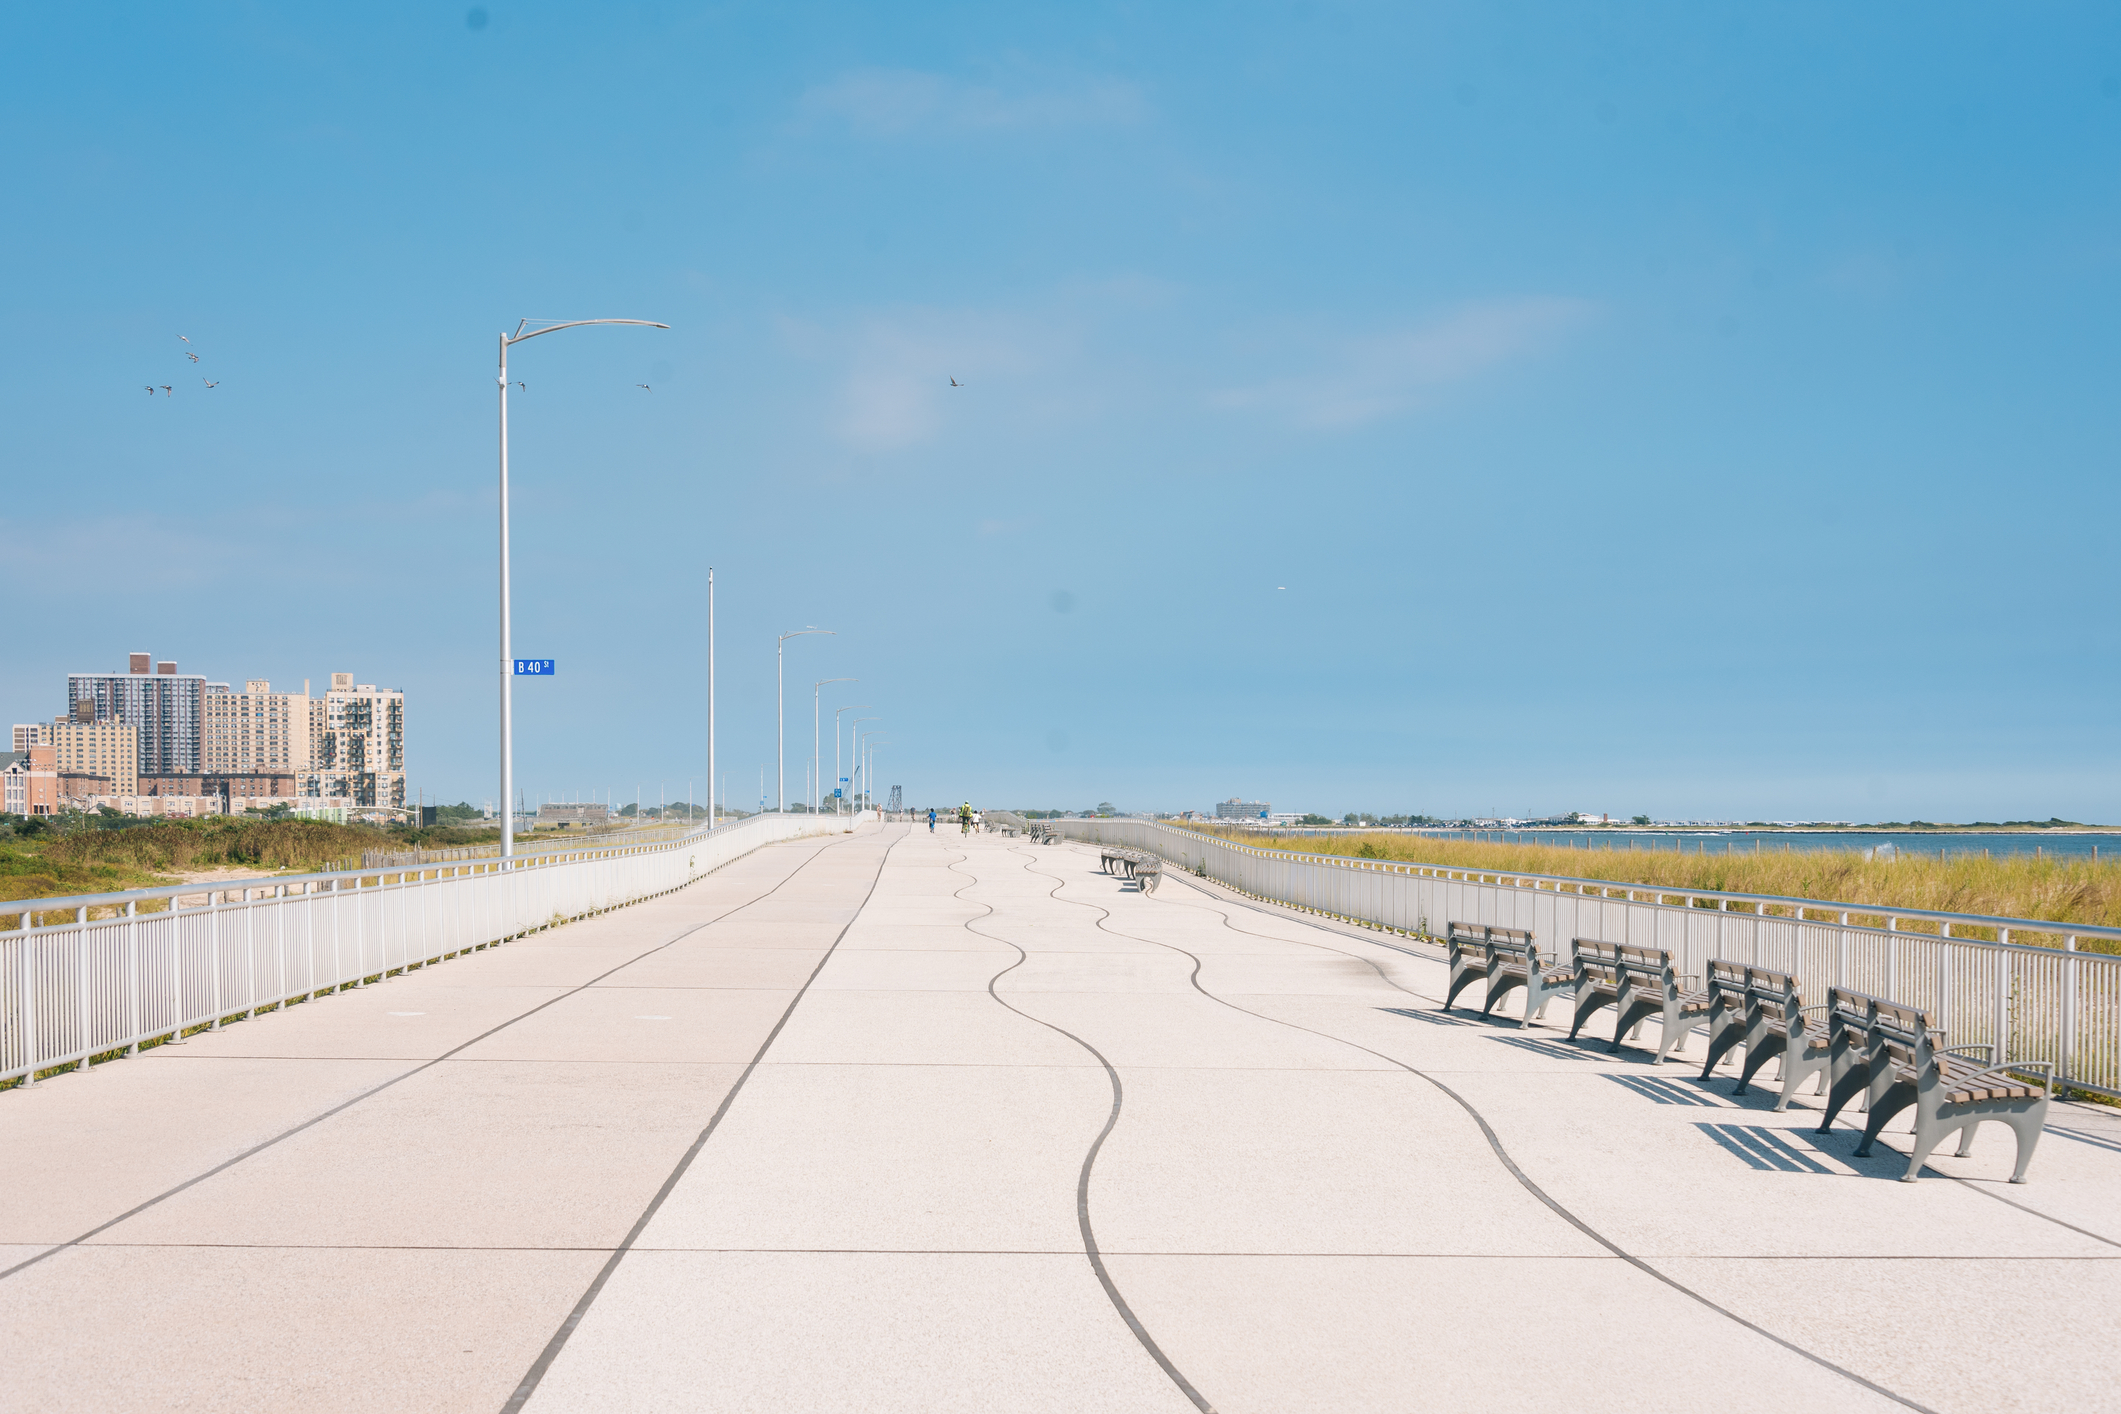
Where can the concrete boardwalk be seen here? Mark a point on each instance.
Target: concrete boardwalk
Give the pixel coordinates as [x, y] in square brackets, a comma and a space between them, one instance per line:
[892, 1121]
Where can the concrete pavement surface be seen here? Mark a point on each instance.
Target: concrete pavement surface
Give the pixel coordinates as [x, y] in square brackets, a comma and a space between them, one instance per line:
[900, 1121]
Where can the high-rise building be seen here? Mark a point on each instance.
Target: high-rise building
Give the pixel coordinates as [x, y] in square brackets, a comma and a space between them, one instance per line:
[106, 748]
[161, 705]
[357, 745]
[29, 734]
[256, 730]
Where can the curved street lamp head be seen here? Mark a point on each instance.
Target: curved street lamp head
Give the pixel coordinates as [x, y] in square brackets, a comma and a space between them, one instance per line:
[798, 633]
[822, 681]
[519, 336]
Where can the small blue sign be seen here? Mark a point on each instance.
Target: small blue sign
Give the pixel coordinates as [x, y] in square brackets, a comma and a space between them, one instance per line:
[533, 667]
[835, 794]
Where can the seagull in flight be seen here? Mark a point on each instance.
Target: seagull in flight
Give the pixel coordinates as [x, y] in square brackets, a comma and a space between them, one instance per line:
[215, 384]
[955, 384]
[644, 387]
[182, 337]
[192, 356]
[165, 389]
[524, 386]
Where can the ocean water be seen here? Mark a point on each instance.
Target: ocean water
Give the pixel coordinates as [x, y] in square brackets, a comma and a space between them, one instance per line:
[2084, 845]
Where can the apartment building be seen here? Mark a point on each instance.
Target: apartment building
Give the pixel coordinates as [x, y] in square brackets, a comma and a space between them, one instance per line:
[29, 734]
[256, 730]
[108, 749]
[357, 745]
[162, 706]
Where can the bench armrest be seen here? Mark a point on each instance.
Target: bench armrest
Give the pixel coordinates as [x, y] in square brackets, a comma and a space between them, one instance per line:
[2046, 1069]
[1987, 1056]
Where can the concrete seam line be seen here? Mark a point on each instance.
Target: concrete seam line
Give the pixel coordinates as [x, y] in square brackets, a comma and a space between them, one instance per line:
[543, 1364]
[373, 1091]
[1524, 1179]
[1082, 1181]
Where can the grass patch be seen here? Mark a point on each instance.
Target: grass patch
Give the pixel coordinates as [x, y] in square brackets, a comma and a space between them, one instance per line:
[49, 862]
[2059, 891]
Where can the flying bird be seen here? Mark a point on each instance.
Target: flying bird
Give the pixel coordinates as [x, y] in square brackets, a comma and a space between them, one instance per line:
[182, 337]
[1281, 586]
[165, 388]
[150, 390]
[955, 384]
[524, 386]
[192, 356]
[644, 387]
[215, 384]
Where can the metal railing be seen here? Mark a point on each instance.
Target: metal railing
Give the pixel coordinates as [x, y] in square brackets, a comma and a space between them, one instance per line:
[527, 843]
[117, 971]
[2052, 1004]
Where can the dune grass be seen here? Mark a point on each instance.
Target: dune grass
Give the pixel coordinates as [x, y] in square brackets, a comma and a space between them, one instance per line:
[2061, 891]
[93, 861]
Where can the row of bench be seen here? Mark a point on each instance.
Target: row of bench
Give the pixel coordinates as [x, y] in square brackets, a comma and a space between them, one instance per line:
[1888, 1052]
[1145, 869]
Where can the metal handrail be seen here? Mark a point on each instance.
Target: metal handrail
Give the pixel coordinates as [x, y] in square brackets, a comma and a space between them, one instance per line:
[16, 908]
[1976, 920]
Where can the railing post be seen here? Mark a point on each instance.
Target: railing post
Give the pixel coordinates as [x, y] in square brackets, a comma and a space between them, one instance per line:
[213, 953]
[250, 957]
[29, 997]
[81, 982]
[2069, 1009]
[133, 1020]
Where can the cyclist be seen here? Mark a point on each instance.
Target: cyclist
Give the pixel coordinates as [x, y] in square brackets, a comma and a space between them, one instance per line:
[964, 818]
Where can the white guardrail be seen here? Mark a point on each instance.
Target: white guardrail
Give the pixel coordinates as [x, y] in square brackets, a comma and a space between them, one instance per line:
[122, 970]
[2052, 1004]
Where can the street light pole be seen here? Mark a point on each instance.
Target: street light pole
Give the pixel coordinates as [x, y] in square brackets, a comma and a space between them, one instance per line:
[817, 755]
[854, 754]
[852, 707]
[712, 821]
[780, 711]
[508, 667]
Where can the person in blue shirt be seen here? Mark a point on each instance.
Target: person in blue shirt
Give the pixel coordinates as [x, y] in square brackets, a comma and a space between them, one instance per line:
[931, 819]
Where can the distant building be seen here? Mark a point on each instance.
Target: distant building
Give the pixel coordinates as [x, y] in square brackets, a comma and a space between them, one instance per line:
[29, 781]
[29, 734]
[255, 730]
[554, 813]
[357, 751]
[222, 784]
[106, 749]
[162, 706]
[1235, 809]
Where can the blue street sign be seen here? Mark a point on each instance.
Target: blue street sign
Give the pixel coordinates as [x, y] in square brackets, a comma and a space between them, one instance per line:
[533, 667]
[835, 794]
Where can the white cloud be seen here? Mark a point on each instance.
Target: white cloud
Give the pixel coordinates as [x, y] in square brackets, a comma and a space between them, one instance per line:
[884, 103]
[1377, 376]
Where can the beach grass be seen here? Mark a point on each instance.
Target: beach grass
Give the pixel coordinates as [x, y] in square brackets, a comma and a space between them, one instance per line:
[2059, 890]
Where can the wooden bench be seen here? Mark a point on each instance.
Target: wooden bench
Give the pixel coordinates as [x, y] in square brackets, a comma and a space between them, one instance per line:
[1042, 833]
[1890, 1053]
[1639, 984]
[1471, 957]
[1514, 962]
[1763, 1011]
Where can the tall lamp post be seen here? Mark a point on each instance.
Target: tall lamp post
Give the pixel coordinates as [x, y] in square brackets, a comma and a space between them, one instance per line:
[508, 667]
[780, 709]
[854, 754]
[868, 782]
[817, 741]
[869, 772]
[851, 707]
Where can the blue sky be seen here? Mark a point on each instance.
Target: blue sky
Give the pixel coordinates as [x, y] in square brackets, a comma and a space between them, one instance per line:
[1701, 410]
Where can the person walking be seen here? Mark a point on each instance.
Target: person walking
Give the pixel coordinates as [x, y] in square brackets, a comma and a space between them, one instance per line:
[964, 818]
[931, 819]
